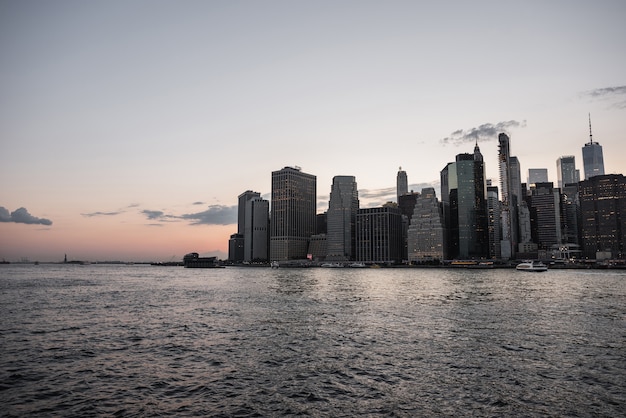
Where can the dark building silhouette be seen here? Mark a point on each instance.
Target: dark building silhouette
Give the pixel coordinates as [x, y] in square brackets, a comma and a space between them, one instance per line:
[603, 213]
[235, 248]
[379, 235]
[545, 215]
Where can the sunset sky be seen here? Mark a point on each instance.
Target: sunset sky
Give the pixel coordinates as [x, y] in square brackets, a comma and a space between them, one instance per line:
[129, 128]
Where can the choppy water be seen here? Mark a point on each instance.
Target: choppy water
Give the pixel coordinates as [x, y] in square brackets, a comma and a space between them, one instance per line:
[144, 341]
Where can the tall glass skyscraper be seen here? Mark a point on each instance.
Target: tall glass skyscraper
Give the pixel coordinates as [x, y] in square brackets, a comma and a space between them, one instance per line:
[566, 170]
[294, 195]
[593, 160]
[464, 197]
[341, 219]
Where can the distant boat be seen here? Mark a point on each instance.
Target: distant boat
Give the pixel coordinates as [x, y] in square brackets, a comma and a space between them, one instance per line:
[357, 265]
[332, 265]
[531, 265]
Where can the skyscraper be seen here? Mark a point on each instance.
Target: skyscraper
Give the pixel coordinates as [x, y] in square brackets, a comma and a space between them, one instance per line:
[504, 160]
[537, 175]
[464, 197]
[293, 213]
[603, 208]
[425, 235]
[566, 170]
[493, 220]
[593, 161]
[256, 232]
[341, 218]
[402, 183]
[379, 235]
[241, 209]
[545, 215]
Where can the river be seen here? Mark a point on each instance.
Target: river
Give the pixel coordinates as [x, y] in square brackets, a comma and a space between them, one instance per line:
[141, 340]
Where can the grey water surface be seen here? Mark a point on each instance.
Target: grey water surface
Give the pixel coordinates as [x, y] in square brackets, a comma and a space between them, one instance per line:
[167, 341]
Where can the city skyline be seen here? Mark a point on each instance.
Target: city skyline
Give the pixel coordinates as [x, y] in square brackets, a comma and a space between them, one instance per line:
[129, 129]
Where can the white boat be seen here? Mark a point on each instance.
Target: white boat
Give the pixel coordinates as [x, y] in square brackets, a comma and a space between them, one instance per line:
[531, 265]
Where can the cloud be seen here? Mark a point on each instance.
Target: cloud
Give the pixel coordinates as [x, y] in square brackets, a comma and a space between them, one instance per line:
[92, 214]
[214, 215]
[616, 93]
[21, 216]
[484, 132]
[153, 214]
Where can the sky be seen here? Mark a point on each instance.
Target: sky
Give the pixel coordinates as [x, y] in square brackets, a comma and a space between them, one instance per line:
[129, 128]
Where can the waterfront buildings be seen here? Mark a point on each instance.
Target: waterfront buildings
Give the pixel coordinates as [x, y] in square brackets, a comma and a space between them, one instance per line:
[593, 160]
[464, 197]
[341, 218]
[425, 234]
[293, 213]
[603, 209]
[379, 235]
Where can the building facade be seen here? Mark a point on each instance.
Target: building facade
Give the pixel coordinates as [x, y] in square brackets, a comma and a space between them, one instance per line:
[464, 197]
[293, 212]
[425, 234]
[537, 175]
[493, 220]
[603, 210]
[402, 183]
[593, 160]
[256, 232]
[507, 249]
[545, 215]
[566, 170]
[379, 235]
[341, 219]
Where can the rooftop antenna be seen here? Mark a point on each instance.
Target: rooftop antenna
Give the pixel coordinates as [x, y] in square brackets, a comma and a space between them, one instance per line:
[590, 136]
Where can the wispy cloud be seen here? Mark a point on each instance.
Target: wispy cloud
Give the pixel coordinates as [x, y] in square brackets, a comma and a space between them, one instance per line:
[617, 94]
[21, 216]
[484, 132]
[93, 214]
[111, 213]
[214, 215]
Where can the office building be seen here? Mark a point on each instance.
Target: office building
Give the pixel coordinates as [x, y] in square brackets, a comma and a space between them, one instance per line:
[493, 220]
[537, 175]
[256, 232]
[593, 160]
[545, 215]
[293, 213]
[464, 197]
[566, 170]
[235, 248]
[341, 218]
[241, 209]
[379, 235]
[603, 210]
[402, 183]
[425, 234]
[507, 249]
